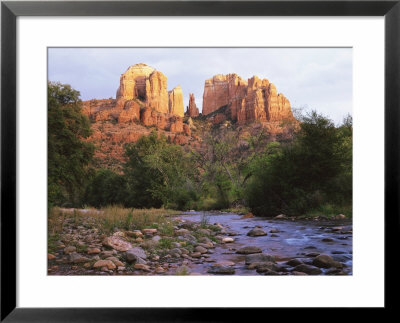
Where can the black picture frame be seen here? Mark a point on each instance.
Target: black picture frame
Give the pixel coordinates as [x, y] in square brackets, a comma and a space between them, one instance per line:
[10, 10]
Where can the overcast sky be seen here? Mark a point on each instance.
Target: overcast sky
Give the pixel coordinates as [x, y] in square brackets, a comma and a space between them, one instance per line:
[311, 78]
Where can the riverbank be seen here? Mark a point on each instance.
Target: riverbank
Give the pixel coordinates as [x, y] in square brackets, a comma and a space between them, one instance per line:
[162, 242]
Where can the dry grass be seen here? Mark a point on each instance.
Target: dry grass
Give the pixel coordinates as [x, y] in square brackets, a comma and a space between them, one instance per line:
[111, 218]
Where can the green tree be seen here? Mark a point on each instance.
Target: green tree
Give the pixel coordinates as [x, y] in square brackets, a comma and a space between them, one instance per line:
[68, 153]
[312, 170]
[159, 173]
[106, 188]
[225, 163]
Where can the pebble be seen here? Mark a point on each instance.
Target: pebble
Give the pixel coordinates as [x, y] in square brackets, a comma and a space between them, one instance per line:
[50, 256]
[227, 240]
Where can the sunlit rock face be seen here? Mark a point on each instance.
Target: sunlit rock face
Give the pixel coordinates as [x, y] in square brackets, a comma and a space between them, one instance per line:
[176, 101]
[245, 101]
[144, 83]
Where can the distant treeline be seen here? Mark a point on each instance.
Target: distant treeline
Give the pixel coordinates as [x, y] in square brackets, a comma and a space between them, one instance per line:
[311, 173]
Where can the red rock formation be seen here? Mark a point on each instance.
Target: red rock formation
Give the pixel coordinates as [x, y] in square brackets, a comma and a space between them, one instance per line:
[180, 140]
[186, 129]
[176, 101]
[146, 84]
[130, 113]
[255, 100]
[150, 117]
[192, 110]
[176, 124]
[222, 90]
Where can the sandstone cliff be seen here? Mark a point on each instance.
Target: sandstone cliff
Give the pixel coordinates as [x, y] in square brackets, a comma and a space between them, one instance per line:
[176, 101]
[146, 84]
[244, 101]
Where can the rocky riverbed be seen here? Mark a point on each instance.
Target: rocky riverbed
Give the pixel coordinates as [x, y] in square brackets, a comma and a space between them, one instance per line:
[205, 243]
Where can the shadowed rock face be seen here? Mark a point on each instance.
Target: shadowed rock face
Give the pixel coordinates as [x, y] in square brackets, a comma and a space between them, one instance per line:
[252, 100]
[192, 110]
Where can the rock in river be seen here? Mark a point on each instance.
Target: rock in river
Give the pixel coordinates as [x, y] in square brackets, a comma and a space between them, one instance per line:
[308, 269]
[258, 258]
[256, 233]
[248, 250]
[325, 261]
[221, 270]
[294, 262]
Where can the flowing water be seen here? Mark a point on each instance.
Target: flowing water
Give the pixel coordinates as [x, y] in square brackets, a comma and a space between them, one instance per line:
[300, 239]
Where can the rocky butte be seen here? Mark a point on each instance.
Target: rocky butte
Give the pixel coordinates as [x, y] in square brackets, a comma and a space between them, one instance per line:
[231, 97]
[143, 103]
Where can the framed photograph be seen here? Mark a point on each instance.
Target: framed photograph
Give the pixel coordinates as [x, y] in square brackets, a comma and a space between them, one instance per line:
[193, 152]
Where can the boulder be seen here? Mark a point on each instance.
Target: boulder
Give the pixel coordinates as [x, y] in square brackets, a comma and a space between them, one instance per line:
[105, 263]
[227, 240]
[325, 261]
[117, 243]
[136, 254]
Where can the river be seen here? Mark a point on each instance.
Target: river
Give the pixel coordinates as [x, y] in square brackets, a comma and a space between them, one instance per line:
[301, 239]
